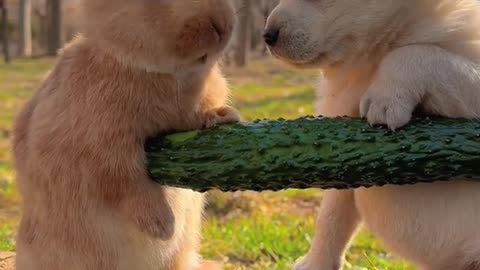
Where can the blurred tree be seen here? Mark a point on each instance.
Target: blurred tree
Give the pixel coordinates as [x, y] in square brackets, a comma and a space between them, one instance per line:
[25, 28]
[4, 30]
[41, 22]
[243, 33]
[54, 26]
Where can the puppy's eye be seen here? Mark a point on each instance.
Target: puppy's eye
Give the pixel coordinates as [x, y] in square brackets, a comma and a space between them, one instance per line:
[203, 59]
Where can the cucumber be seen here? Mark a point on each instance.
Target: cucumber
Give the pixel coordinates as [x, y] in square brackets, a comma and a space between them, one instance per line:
[315, 152]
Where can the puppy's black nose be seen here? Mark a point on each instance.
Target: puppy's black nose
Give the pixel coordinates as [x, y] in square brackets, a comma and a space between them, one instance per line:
[271, 37]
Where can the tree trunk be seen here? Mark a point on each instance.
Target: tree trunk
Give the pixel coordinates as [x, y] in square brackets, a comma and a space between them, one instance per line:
[244, 33]
[42, 28]
[323, 153]
[4, 30]
[54, 27]
[25, 28]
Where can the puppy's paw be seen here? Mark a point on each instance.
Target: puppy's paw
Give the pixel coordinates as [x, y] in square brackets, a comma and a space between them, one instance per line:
[387, 108]
[222, 115]
[313, 263]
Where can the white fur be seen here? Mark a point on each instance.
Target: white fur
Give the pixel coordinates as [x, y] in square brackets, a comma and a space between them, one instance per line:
[380, 60]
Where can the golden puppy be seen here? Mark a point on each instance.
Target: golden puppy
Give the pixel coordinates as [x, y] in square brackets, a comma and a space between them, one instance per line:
[142, 67]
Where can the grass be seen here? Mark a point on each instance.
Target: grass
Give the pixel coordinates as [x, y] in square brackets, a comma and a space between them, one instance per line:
[245, 230]
[7, 241]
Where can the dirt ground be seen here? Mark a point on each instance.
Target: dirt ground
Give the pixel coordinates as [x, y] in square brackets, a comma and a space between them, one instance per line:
[7, 261]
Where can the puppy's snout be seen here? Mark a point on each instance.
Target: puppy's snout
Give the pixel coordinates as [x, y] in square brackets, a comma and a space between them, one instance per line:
[271, 36]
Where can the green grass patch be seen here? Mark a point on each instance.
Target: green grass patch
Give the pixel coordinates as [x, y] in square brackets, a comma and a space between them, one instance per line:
[254, 241]
[7, 239]
[8, 191]
[367, 253]
[271, 102]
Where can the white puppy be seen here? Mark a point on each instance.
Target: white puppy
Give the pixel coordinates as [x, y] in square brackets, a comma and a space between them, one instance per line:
[381, 59]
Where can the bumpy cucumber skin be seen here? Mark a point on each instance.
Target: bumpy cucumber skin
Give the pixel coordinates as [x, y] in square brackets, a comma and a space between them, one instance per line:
[325, 153]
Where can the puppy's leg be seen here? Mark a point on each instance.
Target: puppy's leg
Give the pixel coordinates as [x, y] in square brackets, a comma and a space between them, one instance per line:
[119, 177]
[148, 207]
[443, 83]
[432, 225]
[336, 224]
[146, 202]
[189, 259]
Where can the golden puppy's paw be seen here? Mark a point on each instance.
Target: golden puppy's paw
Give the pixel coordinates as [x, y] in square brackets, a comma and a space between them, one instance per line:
[222, 115]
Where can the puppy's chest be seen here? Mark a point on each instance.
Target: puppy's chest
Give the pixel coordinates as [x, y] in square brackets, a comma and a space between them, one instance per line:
[340, 99]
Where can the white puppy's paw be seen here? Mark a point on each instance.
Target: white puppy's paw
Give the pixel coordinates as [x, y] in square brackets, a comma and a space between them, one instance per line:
[311, 263]
[390, 107]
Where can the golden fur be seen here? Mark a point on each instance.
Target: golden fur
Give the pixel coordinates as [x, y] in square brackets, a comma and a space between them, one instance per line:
[380, 60]
[140, 69]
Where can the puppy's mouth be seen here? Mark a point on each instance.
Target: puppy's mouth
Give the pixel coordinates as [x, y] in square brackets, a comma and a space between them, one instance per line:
[319, 59]
[316, 61]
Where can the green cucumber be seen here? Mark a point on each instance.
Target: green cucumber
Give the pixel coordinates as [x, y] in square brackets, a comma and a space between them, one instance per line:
[327, 153]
